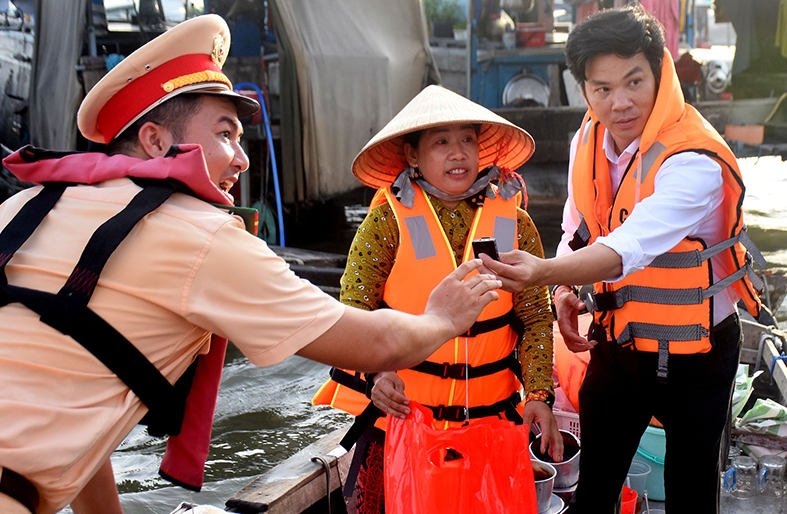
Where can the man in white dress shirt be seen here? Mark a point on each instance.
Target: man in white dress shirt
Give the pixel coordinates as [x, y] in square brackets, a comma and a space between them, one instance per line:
[653, 219]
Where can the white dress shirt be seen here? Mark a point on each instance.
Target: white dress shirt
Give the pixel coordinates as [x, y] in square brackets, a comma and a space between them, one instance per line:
[686, 201]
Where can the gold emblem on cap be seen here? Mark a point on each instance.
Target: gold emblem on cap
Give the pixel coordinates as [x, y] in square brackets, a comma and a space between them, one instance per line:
[217, 55]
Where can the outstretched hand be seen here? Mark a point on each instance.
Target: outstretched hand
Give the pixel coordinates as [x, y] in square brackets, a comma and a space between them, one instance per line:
[516, 269]
[460, 300]
[388, 395]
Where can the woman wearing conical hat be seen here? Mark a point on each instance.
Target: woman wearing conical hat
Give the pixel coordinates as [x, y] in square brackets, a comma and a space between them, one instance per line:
[443, 169]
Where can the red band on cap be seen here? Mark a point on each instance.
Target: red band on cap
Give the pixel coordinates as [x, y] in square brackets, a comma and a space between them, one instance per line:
[141, 93]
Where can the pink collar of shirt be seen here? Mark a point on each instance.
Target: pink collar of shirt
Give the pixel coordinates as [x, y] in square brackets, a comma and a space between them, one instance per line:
[184, 163]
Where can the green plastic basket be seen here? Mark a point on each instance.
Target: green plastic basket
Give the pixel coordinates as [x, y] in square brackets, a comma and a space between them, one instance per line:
[652, 448]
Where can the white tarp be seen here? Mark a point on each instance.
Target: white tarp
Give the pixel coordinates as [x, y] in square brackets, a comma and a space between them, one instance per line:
[357, 63]
[56, 92]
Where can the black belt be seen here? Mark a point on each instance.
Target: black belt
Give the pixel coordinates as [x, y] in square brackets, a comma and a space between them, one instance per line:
[19, 488]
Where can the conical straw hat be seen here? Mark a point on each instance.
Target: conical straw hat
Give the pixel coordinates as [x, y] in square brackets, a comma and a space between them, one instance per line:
[500, 141]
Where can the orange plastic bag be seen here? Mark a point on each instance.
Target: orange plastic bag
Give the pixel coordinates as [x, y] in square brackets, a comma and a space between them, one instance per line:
[482, 468]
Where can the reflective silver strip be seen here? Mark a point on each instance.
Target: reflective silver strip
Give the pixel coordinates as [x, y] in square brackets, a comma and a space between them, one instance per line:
[695, 258]
[588, 128]
[661, 372]
[661, 332]
[505, 233]
[423, 244]
[649, 157]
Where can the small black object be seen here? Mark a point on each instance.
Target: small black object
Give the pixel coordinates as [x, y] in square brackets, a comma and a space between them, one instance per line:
[486, 245]
[249, 216]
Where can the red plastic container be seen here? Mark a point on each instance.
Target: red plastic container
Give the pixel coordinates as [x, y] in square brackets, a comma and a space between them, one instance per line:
[530, 35]
[628, 503]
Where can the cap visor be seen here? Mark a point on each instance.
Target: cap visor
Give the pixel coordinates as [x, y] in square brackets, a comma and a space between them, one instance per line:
[245, 106]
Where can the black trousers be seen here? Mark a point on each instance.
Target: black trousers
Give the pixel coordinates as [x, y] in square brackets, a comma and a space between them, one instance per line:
[619, 395]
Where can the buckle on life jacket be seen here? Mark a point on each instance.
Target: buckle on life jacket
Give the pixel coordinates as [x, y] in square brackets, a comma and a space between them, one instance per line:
[355, 382]
[451, 412]
[603, 301]
[663, 362]
[462, 371]
[456, 371]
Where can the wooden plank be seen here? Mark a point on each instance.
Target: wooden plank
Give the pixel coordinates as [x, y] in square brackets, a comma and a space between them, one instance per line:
[749, 357]
[751, 134]
[753, 332]
[764, 440]
[296, 483]
[553, 72]
[305, 257]
[779, 373]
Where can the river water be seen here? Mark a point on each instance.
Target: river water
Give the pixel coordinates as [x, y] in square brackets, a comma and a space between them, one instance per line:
[265, 414]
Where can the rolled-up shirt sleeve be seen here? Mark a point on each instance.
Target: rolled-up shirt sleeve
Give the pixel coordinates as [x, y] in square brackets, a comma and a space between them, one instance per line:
[688, 189]
[243, 291]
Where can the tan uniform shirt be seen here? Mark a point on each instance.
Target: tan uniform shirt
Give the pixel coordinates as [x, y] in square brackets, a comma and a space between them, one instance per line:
[185, 271]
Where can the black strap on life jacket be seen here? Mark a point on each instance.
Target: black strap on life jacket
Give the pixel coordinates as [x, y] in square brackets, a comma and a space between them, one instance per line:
[488, 325]
[457, 371]
[371, 414]
[357, 382]
[67, 310]
[481, 327]
[461, 371]
[461, 413]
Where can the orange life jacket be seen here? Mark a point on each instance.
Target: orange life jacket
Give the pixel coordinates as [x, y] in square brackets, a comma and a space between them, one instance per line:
[424, 257]
[665, 307]
[570, 366]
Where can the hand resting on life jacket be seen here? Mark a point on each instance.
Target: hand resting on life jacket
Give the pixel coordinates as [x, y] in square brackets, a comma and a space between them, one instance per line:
[388, 395]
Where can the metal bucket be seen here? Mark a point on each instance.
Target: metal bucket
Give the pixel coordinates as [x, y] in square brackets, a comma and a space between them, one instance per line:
[544, 475]
[568, 470]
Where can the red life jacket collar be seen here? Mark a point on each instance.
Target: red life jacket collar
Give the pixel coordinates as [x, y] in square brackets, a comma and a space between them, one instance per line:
[184, 163]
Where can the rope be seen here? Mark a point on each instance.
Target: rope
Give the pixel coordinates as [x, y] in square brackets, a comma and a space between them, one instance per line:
[467, 388]
[327, 467]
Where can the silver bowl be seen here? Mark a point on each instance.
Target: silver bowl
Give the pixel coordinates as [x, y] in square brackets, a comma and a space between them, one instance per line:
[567, 470]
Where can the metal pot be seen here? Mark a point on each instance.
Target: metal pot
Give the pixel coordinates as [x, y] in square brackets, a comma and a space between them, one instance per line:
[544, 475]
[568, 470]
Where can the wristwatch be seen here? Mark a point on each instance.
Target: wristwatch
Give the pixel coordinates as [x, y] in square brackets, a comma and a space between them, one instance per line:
[574, 289]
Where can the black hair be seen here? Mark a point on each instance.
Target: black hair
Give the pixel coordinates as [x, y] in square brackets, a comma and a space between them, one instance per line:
[173, 115]
[413, 138]
[623, 32]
